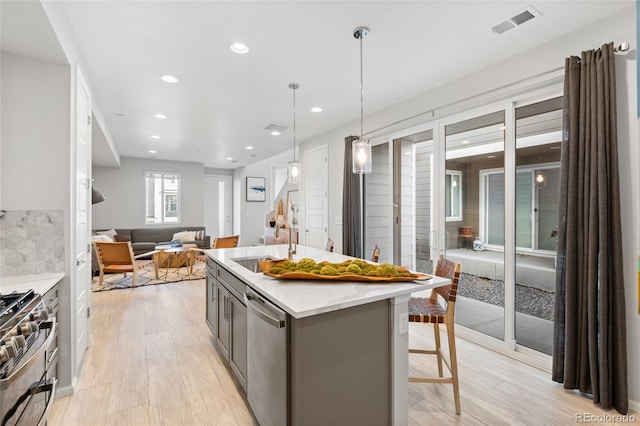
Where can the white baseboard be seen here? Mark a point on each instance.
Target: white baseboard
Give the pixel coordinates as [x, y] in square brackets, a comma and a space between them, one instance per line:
[64, 391]
[634, 406]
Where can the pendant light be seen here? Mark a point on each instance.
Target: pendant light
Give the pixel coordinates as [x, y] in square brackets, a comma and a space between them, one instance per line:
[294, 166]
[361, 148]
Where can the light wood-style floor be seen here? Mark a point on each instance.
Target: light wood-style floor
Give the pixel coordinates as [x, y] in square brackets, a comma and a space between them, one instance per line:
[151, 362]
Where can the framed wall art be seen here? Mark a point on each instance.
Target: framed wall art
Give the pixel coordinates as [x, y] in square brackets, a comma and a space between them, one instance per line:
[256, 189]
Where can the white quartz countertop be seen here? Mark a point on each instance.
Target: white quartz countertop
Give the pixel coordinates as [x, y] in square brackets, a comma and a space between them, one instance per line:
[40, 283]
[303, 298]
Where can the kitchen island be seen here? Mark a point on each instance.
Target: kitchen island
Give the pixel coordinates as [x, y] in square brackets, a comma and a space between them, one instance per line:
[337, 351]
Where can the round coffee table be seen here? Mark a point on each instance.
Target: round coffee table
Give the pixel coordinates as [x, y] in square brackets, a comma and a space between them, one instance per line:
[173, 256]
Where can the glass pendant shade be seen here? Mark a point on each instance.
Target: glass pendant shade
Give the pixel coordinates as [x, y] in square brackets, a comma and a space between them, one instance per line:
[294, 166]
[294, 171]
[361, 154]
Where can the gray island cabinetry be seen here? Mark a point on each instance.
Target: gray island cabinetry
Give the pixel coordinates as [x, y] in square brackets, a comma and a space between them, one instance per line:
[309, 352]
[227, 318]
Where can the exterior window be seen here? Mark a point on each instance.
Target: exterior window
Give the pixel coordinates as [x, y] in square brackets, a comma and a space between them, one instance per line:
[453, 196]
[536, 206]
[163, 197]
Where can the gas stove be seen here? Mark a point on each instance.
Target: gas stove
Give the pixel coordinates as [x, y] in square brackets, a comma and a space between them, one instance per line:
[21, 317]
[27, 332]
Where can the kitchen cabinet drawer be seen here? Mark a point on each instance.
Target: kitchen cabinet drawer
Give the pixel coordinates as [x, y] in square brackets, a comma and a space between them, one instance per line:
[233, 284]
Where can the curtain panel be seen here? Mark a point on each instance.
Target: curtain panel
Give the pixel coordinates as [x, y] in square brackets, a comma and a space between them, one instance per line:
[590, 350]
[351, 205]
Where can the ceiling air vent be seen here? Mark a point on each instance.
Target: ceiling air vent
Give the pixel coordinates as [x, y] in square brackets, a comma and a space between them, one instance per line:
[273, 127]
[515, 19]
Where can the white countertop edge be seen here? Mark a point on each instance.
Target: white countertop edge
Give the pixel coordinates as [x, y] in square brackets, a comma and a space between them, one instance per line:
[40, 283]
[304, 298]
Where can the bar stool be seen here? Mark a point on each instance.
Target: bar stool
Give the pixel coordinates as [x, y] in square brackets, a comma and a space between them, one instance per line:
[429, 310]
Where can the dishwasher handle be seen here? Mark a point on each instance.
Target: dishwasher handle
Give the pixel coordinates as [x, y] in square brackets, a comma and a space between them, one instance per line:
[256, 307]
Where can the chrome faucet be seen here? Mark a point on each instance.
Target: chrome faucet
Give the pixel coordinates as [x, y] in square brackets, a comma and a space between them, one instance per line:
[292, 246]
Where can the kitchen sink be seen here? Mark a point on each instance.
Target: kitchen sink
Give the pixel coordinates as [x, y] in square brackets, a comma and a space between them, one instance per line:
[252, 263]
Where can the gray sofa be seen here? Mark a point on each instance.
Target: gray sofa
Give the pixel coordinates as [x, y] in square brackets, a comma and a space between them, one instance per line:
[146, 239]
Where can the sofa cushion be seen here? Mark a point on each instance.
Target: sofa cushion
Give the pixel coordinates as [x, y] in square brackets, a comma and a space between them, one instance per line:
[184, 236]
[143, 247]
[122, 238]
[110, 233]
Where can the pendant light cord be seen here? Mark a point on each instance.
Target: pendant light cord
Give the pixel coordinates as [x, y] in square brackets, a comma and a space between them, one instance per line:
[294, 124]
[361, 90]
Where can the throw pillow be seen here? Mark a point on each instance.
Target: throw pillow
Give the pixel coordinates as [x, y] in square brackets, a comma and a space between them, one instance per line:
[122, 238]
[185, 236]
[111, 233]
[200, 235]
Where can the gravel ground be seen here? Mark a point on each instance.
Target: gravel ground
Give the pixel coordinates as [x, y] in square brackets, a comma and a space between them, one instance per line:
[530, 301]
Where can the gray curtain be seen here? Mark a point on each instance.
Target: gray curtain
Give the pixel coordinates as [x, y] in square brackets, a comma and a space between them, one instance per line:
[590, 348]
[351, 205]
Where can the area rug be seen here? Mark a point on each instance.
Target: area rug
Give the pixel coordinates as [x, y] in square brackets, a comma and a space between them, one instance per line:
[146, 276]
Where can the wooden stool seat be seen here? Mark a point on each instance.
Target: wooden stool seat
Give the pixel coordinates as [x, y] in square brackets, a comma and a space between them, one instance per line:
[425, 310]
[431, 311]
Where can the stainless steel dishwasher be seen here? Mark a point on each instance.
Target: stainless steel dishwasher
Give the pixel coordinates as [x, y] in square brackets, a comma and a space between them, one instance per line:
[267, 360]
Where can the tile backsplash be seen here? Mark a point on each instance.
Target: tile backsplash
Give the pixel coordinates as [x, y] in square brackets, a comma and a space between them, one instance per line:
[31, 242]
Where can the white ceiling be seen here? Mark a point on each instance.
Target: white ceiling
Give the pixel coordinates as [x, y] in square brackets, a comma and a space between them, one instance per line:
[223, 100]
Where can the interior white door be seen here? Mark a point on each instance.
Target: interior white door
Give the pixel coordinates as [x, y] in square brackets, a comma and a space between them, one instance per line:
[316, 182]
[81, 248]
[217, 205]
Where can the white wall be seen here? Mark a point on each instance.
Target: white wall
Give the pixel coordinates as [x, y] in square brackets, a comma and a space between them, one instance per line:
[35, 134]
[124, 190]
[617, 28]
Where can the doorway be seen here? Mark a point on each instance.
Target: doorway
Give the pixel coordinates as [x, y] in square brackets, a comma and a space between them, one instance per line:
[217, 205]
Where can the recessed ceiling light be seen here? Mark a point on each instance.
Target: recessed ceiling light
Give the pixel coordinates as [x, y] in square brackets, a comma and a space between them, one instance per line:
[248, 147]
[316, 109]
[275, 133]
[465, 142]
[156, 137]
[169, 78]
[153, 151]
[161, 116]
[230, 158]
[239, 48]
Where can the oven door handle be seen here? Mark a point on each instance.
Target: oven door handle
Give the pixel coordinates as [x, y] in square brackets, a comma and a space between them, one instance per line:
[52, 397]
[48, 385]
[50, 324]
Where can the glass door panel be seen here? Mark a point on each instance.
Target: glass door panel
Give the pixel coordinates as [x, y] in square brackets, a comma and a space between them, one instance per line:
[378, 219]
[474, 219]
[413, 201]
[538, 137]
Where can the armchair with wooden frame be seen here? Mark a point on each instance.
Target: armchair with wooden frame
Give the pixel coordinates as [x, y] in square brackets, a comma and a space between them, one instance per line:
[219, 242]
[118, 257]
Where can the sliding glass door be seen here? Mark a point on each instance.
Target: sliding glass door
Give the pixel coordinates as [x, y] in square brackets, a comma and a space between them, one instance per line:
[475, 218]
[481, 189]
[537, 158]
